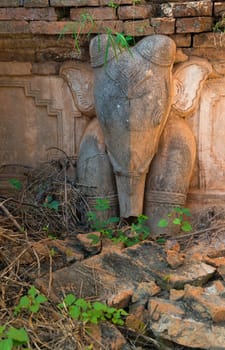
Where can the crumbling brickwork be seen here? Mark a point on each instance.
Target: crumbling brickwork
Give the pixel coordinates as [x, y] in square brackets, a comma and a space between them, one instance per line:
[29, 29]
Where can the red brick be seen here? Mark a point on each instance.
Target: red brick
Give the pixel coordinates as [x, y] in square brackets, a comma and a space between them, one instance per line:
[36, 3]
[52, 28]
[182, 40]
[187, 9]
[9, 3]
[73, 3]
[194, 25]
[135, 12]
[138, 28]
[219, 8]
[19, 27]
[32, 14]
[98, 13]
[163, 25]
[209, 40]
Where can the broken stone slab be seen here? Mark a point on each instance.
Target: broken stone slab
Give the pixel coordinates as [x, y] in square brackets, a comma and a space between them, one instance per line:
[192, 273]
[108, 274]
[188, 332]
[157, 307]
[105, 333]
[207, 306]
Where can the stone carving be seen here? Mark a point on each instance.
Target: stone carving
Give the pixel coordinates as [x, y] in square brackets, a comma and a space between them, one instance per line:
[142, 137]
[208, 125]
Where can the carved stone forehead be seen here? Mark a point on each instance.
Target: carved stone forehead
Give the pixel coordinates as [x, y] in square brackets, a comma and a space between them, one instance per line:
[158, 49]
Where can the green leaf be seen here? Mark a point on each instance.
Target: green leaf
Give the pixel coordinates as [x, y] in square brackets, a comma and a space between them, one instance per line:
[94, 238]
[82, 303]
[41, 299]
[17, 184]
[23, 303]
[102, 204]
[69, 299]
[19, 335]
[186, 211]
[161, 240]
[2, 329]
[177, 221]
[99, 306]
[178, 210]
[74, 312]
[186, 226]
[33, 291]
[162, 223]
[6, 344]
[34, 308]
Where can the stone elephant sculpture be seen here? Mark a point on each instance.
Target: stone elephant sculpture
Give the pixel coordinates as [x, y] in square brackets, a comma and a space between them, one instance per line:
[140, 146]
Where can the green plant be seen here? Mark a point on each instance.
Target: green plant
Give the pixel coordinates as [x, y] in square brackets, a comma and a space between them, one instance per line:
[134, 234]
[117, 41]
[113, 4]
[13, 338]
[51, 203]
[178, 216]
[219, 26]
[77, 27]
[30, 302]
[91, 312]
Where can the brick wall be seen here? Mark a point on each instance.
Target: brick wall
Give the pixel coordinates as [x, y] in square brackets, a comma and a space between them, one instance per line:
[30, 29]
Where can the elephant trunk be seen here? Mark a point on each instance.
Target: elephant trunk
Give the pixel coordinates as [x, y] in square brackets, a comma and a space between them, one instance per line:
[130, 189]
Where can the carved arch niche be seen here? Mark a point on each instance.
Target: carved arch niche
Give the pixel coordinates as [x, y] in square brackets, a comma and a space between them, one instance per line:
[208, 125]
[37, 112]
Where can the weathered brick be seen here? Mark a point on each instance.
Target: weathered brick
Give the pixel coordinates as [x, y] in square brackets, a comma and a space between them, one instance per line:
[35, 3]
[12, 68]
[31, 14]
[14, 27]
[98, 13]
[9, 3]
[187, 9]
[138, 28]
[194, 25]
[209, 40]
[182, 40]
[163, 25]
[73, 3]
[52, 28]
[135, 12]
[219, 8]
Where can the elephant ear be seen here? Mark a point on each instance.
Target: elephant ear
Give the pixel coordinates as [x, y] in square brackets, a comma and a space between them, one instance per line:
[189, 78]
[80, 78]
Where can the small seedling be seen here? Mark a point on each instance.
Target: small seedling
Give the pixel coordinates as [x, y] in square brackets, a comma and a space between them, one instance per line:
[51, 203]
[178, 217]
[17, 184]
[30, 302]
[13, 338]
[91, 312]
[138, 231]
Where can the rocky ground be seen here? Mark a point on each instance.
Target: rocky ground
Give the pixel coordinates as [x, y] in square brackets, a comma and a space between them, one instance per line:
[173, 292]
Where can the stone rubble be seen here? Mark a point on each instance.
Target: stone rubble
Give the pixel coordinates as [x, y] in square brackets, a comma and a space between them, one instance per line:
[184, 306]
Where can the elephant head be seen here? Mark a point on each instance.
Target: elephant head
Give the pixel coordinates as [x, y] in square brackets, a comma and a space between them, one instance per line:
[133, 97]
